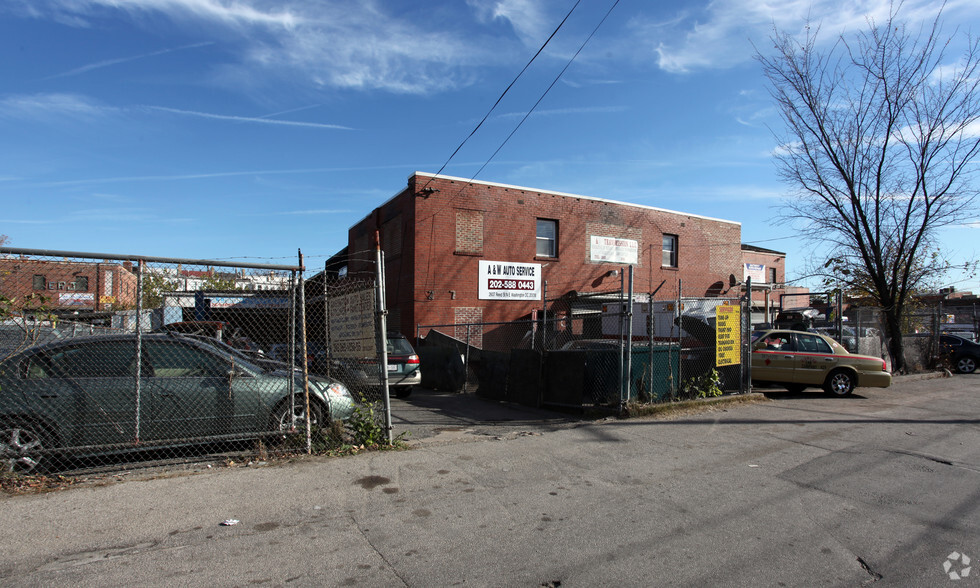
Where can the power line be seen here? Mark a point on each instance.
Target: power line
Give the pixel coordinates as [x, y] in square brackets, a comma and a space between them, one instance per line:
[552, 85]
[507, 89]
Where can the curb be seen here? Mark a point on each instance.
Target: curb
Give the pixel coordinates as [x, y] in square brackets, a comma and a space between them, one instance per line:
[921, 376]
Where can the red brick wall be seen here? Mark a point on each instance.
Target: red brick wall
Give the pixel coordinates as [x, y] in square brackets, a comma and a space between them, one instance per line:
[433, 276]
[63, 288]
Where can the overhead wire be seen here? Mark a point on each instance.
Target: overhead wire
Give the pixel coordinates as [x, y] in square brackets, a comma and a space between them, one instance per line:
[552, 85]
[519, 124]
[507, 89]
[529, 112]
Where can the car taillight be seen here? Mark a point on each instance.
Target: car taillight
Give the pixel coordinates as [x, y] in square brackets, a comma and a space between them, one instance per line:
[413, 359]
[884, 366]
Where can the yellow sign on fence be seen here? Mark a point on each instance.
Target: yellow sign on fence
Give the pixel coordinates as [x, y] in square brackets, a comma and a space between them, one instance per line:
[728, 337]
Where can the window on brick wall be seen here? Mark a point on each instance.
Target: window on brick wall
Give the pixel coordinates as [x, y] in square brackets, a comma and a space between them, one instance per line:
[80, 284]
[40, 282]
[772, 275]
[391, 237]
[469, 231]
[669, 251]
[547, 238]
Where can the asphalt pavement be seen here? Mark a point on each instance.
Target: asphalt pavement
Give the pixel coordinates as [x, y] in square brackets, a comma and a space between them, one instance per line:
[801, 490]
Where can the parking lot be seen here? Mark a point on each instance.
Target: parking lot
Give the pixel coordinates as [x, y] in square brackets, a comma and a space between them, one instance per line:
[800, 490]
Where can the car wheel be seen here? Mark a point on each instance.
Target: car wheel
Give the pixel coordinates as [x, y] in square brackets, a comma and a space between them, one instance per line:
[286, 418]
[21, 447]
[839, 383]
[966, 365]
[795, 388]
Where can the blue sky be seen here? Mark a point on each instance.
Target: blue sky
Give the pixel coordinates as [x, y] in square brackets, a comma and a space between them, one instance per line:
[248, 129]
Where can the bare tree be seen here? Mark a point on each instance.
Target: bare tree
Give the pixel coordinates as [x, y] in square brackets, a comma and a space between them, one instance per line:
[880, 141]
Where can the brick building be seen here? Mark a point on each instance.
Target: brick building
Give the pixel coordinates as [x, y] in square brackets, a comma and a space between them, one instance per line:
[68, 285]
[444, 238]
[767, 268]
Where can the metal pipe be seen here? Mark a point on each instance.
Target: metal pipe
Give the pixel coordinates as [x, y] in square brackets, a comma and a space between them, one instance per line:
[629, 344]
[144, 258]
[291, 386]
[680, 338]
[622, 278]
[306, 357]
[382, 330]
[326, 319]
[745, 385]
[466, 359]
[139, 345]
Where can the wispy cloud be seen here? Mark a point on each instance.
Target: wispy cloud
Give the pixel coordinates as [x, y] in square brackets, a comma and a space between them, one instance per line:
[46, 106]
[314, 211]
[235, 13]
[722, 33]
[211, 175]
[355, 45]
[110, 62]
[250, 119]
[585, 83]
[528, 17]
[567, 111]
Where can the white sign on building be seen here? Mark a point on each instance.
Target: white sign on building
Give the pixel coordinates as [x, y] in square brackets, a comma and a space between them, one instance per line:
[613, 250]
[756, 271]
[507, 280]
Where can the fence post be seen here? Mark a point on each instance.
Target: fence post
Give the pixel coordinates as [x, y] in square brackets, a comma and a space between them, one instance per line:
[139, 343]
[379, 257]
[629, 345]
[622, 308]
[857, 330]
[466, 359]
[680, 341]
[306, 362]
[326, 319]
[746, 380]
[292, 342]
[650, 345]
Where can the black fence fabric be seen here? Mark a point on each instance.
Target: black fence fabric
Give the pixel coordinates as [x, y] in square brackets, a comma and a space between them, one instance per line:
[584, 359]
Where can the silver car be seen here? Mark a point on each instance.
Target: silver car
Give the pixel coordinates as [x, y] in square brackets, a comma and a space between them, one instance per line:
[80, 396]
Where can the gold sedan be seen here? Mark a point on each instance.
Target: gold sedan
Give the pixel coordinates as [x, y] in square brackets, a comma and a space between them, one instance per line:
[797, 360]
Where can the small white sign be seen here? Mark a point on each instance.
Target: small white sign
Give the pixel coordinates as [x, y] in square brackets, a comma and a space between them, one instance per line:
[508, 280]
[76, 299]
[613, 250]
[756, 271]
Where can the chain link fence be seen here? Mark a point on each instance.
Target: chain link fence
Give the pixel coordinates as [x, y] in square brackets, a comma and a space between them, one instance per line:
[927, 321]
[106, 361]
[594, 351]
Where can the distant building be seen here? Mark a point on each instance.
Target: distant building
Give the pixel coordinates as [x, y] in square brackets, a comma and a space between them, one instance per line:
[767, 270]
[180, 279]
[68, 285]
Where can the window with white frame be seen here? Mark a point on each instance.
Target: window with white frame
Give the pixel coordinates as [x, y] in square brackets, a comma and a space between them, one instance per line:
[547, 238]
[669, 251]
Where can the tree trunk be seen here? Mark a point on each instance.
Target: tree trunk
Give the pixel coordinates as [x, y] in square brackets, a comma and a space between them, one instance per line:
[896, 345]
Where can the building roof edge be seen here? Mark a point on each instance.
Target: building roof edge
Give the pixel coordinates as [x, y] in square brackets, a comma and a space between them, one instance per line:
[594, 198]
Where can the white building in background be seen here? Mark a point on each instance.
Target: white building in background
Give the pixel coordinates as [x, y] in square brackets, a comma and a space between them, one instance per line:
[183, 280]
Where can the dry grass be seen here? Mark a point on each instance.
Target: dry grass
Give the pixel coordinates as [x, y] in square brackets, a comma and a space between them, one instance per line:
[685, 408]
